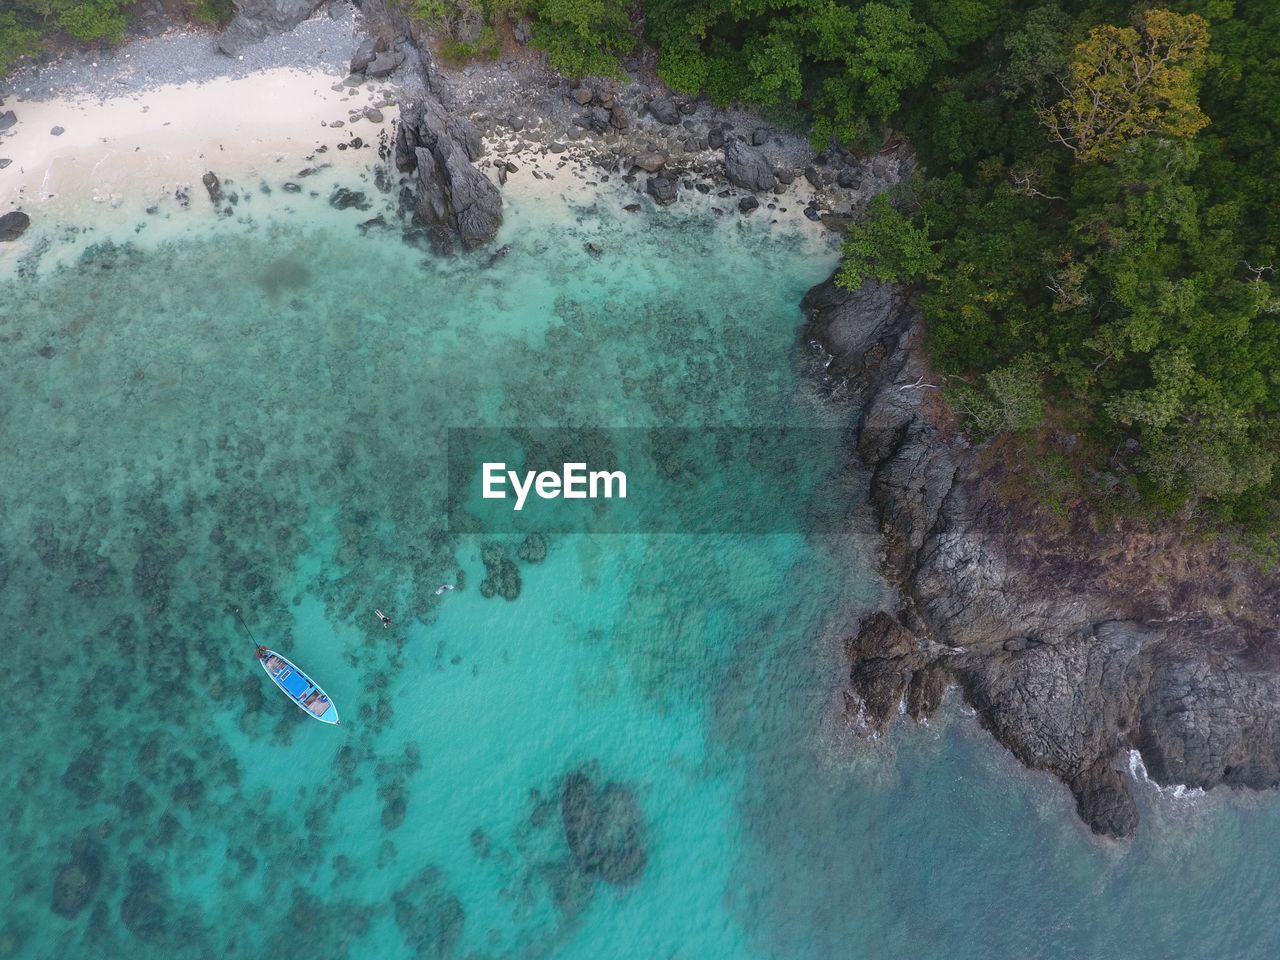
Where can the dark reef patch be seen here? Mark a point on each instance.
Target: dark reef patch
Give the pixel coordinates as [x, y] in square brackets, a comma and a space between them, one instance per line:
[604, 827]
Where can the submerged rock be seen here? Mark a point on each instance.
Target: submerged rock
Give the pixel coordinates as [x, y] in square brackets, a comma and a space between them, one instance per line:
[344, 199]
[213, 185]
[146, 904]
[502, 576]
[13, 225]
[605, 828]
[430, 918]
[77, 881]
[1104, 802]
[533, 549]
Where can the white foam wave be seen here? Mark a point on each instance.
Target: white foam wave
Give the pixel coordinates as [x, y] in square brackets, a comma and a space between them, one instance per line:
[1176, 791]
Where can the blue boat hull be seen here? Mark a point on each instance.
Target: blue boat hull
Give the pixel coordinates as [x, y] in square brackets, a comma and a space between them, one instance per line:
[306, 694]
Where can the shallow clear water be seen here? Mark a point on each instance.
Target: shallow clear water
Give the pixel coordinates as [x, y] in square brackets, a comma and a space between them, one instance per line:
[254, 413]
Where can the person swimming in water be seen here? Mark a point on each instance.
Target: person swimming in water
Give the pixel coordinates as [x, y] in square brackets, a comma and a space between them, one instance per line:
[386, 621]
[443, 588]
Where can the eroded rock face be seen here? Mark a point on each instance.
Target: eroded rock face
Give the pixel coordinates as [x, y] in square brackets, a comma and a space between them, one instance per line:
[1067, 665]
[605, 828]
[258, 19]
[453, 196]
[885, 655]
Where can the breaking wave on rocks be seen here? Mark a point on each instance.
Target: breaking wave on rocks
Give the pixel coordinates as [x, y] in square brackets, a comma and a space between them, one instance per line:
[1175, 791]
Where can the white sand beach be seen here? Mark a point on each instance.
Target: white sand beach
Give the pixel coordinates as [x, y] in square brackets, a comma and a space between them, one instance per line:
[136, 148]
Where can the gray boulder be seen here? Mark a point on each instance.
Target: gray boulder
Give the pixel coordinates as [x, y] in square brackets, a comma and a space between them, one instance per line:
[747, 167]
[214, 186]
[13, 225]
[256, 20]
[849, 177]
[663, 190]
[8, 119]
[364, 55]
[664, 110]
[651, 162]
[384, 64]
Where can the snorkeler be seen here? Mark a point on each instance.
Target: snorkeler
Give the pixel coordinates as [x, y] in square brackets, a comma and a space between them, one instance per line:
[443, 588]
[386, 621]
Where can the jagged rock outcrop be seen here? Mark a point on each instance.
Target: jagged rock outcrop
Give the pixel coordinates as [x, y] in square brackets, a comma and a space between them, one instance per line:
[747, 167]
[256, 20]
[453, 197]
[1069, 646]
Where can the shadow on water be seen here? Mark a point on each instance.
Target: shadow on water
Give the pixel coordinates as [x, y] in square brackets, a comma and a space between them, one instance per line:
[283, 275]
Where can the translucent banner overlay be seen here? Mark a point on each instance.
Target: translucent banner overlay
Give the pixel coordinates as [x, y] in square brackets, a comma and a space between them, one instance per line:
[660, 480]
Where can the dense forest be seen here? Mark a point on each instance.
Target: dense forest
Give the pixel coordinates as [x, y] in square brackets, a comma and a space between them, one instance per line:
[1093, 230]
[1093, 233]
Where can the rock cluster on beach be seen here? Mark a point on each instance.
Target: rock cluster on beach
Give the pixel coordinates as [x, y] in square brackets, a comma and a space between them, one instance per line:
[665, 145]
[1069, 647]
[453, 197]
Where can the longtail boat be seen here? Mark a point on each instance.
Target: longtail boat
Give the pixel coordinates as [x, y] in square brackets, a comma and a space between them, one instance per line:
[297, 686]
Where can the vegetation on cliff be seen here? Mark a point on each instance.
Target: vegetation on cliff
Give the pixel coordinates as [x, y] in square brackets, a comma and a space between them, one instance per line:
[1094, 231]
[26, 26]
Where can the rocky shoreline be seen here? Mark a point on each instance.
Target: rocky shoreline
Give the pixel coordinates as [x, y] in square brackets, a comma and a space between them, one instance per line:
[502, 114]
[1075, 641]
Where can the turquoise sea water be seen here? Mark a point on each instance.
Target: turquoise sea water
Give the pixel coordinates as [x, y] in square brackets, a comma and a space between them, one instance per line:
[254, 414]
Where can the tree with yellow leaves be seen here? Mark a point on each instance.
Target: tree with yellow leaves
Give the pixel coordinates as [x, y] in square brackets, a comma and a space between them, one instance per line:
[1127, 82]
